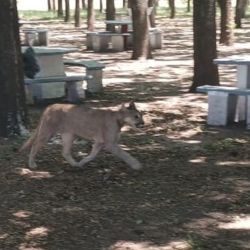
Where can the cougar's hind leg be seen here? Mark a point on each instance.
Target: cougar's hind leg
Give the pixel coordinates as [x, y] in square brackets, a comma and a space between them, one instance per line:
[97, 146]
[67, 141]
[39, 141]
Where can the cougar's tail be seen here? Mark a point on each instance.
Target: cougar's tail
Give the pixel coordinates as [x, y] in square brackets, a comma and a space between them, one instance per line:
[28, 144]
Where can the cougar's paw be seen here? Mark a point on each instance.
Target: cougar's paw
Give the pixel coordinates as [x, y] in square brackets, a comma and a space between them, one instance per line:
[32, 165]
[78, 165]
[75, 164]
[137, 166]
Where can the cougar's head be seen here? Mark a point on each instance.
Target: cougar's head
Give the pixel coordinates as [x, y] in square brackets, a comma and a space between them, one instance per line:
[132, 116]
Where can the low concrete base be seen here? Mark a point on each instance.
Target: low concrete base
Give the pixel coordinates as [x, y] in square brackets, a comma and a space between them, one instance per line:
[221, 108]
[100, 42]
[248, 112]
[42, 91]
[75, 91]
[117, 43]
[155, 39]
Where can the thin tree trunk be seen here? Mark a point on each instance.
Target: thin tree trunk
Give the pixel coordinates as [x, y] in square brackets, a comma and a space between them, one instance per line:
[204, 26]
[67, 11]
[110, 14]
[172, 8]
[83, 4]
[101, 6]
[13, 111]
[240, 12]
[124, 3]
[90, 16]
[188, 6]
[151, 3]
[77, 14]
[54, 5]
[141, 47]
[226, 23]
[49, 5]
[60, 9]
[130, 3]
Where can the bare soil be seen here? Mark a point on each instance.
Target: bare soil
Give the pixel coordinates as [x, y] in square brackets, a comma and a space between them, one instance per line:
[193, 192]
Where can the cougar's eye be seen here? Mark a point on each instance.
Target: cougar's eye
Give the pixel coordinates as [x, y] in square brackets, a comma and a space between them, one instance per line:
[137, 117]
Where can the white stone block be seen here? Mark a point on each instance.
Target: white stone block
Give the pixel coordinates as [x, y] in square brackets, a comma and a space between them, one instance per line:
[117, 43]
[89, 40]
[48, 90]
[75, 91]
[94, 85]
[155, 39]
[100, 42]
[50, 65]
[248, 113]
[243, 82]
[221, 108]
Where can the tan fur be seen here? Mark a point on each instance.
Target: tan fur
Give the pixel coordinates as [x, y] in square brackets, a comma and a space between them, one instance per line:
[100, 126]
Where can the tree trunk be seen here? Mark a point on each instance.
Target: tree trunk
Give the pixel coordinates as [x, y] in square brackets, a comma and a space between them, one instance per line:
[49, 5]
[130, 3]
[226, 22]
[54, 5]
[60, 9]
[110, 14]
[124, 3]
[90, 16]
[188, 6]
[67, 11]
[141, 48]
[83, 4]
[240, 11]
[77, 14]
[172, 8]
[13, 112]
[204, 29]
[151, 3]
[101, 6]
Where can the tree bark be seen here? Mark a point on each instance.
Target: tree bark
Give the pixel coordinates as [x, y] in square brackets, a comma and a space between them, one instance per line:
[226, 22]
[240, 11]
[13, 111]
[54, 5]
[49, 5]
[90, 16]
[60, 9]
[83, 4]
[172, 8]
[124, 3]
[204, 29]
[67, 11]
[110, 14]
[188, 6]
[77, 14]
[130, 3]
[152, 3]
[141, 47]
[101, 6]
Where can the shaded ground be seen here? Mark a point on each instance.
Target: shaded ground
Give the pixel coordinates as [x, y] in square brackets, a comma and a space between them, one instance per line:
[192, 194]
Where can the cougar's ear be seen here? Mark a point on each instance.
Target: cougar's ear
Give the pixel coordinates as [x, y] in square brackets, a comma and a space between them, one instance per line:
[131, 106]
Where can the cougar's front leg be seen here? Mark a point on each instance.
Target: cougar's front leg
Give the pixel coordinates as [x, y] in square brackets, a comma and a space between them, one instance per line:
[97, 146]
[119, 152]
[67, 141]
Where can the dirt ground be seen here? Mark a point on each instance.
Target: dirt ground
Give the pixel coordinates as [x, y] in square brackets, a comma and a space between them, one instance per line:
[193, 192]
